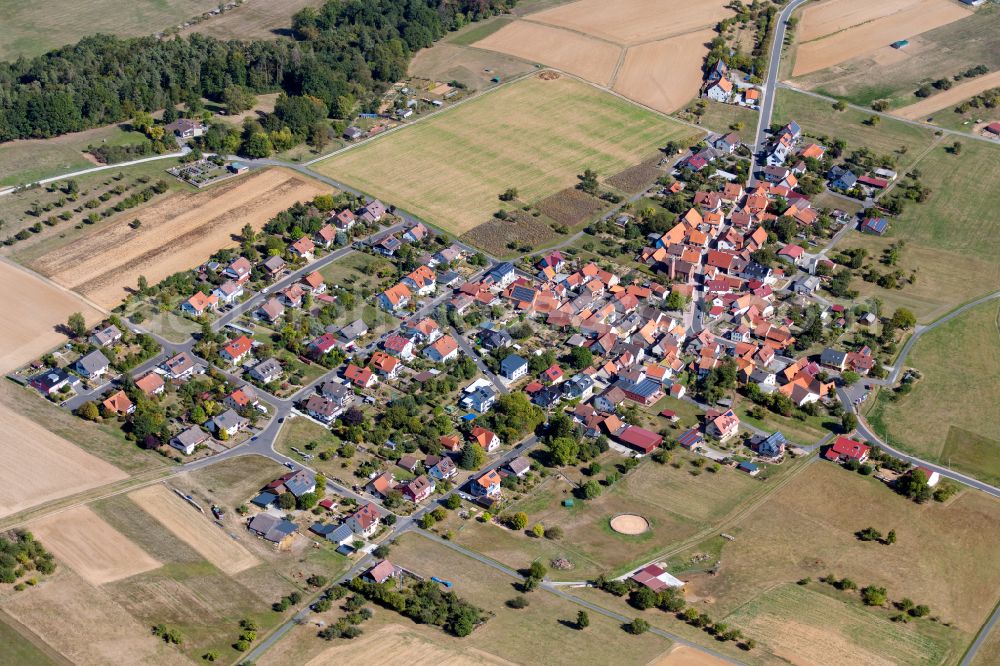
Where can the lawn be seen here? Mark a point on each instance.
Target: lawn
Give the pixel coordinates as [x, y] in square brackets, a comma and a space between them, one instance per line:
[677, 499]
[892, 75]
[720, 117]
[16, 649]
[951, 416]
[535, 135]
[817, 117]
[32, 28]
[805, 432]
[943, 556]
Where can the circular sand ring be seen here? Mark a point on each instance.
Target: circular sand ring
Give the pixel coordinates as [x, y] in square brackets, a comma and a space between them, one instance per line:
[629, 523]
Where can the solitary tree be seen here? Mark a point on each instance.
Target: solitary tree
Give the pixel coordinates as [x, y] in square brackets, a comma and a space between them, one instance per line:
[77, 324]
[890, 538]
[582, 620]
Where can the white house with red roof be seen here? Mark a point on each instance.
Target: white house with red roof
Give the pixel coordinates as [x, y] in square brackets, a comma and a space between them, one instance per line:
[844, 450]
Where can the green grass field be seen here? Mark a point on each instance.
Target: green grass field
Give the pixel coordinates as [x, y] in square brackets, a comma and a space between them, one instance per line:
[31, 28]
[720, 117]
[817, 117]
[951, 415]
[16, 649]
[535, 135]
[939, 53]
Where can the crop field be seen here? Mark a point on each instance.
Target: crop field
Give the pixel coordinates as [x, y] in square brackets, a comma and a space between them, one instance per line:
[253, 20]
[86, 625]
[19, 646]
[194, 529]
[97, 552]
[40, 466]
[34, 311]
[177, 233]
[942, 557]
[808, 627]
[951, 97]
[829, 35]
[534, 134]
[895, 74]
[950, 416]
[622, 45]
[30, 28]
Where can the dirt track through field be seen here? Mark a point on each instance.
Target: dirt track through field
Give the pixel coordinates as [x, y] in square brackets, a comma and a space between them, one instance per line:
[949, 98]
[682, 655]
[32, 311]
[194, 529]
[866, 38]
[89, 546]
[39, 466]
[177, 233]
[588, 58]
[664, 75]
[630, 22]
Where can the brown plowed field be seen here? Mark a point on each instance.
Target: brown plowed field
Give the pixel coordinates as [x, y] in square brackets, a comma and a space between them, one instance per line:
[32, 309]
[89, 546]
[586, 57]
[39, 466]
[194, 529]
[177, 233]
[629, 22]
[951, 97]
[664, 75]
[868, 37]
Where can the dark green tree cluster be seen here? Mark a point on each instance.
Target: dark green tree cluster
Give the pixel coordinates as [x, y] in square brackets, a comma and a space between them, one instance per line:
[424, 603]
[20, 554]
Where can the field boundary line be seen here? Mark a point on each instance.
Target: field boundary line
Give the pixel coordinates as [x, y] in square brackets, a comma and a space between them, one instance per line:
[581, 33]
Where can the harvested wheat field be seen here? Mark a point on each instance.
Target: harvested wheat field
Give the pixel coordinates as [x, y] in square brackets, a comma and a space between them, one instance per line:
[873, 34]
[193, 528]
[32, 311]
[87, 626]
[586, 57]
[950, 97]
[39, 466]
[177, 233]
[630, 22]
[645, 77]
[393, 644]
[89, 546]
[830, 16]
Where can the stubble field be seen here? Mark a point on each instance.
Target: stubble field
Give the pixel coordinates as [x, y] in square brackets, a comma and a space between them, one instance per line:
[194, 529]
[534, 134]
[951, 97]
[33, 312]
[829, 35]
[254, 20]
[39, 466]
[649, 51]
[177, 233]
[97, 552]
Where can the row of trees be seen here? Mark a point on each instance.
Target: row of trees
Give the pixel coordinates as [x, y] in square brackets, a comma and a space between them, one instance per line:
[344, 53]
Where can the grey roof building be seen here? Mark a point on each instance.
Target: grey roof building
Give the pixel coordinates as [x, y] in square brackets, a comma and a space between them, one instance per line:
[267, 370]
[513, 367]
[93, 364]
[271, 528]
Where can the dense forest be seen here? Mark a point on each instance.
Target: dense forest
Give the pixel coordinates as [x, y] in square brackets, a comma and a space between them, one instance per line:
[344, 54]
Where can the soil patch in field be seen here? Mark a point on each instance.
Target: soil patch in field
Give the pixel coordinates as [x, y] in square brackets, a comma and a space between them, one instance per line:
[89, 546]
[177, 233]
[664, 75]
[194, 529]
[682, 655]
[570, 206]
[870, 36]
[629, 523]
[637, 178]
[951, 97]
[34, 310]
[633, 21]
[495, 236]
[39, 466]
[86, 625]
[587, 57]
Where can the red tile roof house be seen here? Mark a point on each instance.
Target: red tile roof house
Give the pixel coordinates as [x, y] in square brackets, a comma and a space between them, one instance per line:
[443, 350]
[236, 350]
[844, 449]
[722, 426]
[418, 489]
[239, 270]
[381, 572]
[325, 236]
[640, 439]
[200, 303]
[792, 253]
[485, 438]
[399, 346]
[118, 404]
[303, 248]
[487, 485]
[365, 521]
[361, 377]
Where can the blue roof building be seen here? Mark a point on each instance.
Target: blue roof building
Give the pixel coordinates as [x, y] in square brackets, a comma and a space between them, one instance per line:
[690, 438]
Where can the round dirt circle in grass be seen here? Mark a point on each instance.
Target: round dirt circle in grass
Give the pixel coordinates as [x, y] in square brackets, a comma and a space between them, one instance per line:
[629, 523]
